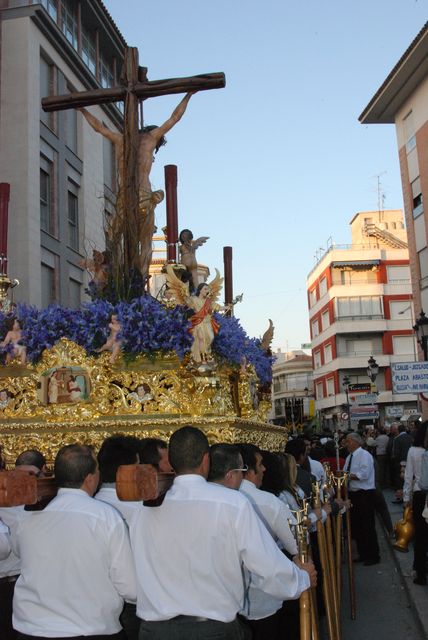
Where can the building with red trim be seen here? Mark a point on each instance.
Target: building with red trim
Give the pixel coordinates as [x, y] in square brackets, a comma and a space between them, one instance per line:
[360, 305]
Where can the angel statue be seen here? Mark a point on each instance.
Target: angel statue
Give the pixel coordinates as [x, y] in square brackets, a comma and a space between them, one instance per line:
[187, 249]
[203, 304]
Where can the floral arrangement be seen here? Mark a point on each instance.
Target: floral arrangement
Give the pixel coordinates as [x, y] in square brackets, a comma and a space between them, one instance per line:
[147, 327]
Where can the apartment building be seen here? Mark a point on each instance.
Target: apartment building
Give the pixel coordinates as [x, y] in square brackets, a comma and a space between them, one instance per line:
[402, 100]
[62, 173]
[292, 389]
[360, 305]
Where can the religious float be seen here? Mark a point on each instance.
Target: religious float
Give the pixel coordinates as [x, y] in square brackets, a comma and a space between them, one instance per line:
[132, 360]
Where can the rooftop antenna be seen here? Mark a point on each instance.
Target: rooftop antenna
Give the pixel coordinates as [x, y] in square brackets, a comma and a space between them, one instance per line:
[380, 195]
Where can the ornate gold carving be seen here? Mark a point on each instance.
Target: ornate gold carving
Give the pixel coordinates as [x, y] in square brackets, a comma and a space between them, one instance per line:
[143, 397]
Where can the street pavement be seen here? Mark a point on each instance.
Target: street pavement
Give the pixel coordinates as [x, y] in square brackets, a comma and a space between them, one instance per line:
[389, 605]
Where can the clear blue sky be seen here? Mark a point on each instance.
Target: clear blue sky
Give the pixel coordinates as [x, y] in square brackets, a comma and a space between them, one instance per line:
[277, 162]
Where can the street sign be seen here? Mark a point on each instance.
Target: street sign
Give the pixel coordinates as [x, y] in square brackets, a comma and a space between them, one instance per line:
[409, 377]
[365, 416]
[360, 387]
[364, 398]
[394, 411]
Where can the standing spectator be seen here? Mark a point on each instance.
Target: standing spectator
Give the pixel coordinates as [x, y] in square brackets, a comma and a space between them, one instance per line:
[381, 446]
[400, 447]
[412, 493]
[359, 465]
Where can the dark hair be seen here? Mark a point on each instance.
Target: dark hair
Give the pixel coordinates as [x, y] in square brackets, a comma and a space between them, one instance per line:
[72, 464]
[330, 448]
[151, 127]
[200, 287]
[187, 447]
[223, 458]
[296, 448]
[181, 234]
[273, 478]
[420, 433]
[31, 456]
[115, 451]
[248, 453]
[149, 450]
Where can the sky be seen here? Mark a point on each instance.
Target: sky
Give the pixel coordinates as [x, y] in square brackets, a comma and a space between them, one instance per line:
[276, 164]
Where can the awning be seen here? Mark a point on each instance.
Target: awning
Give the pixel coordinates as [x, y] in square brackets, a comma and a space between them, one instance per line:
[356, 263]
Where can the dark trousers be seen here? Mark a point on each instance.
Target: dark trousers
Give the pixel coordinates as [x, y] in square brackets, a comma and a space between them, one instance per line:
[115, 636]
[267, 628]
[382, 461]
[129, 621]
[6, 597]
[363, 524]
[420, 543]
[186, 628]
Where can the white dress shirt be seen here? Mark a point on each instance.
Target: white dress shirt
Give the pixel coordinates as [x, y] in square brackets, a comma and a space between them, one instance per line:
[381, 444]
[11, 517]
[189, 553]
[412, 472]
[76, 568]
[362, 466]
[275, 515]
[4, 541]
[317, 470]
[108, 494]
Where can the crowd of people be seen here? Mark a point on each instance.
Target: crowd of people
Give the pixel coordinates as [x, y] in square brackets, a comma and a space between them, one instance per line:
[216, 559]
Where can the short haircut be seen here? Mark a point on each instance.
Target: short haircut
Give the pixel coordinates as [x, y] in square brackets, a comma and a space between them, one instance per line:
[223, 458]
[31, 456]
[149, 450]
[187, 447]
[115, 451]
[248, 453]
[72, 464]
[273, 477]
[355, 437]
[296, 448]
[420, 434]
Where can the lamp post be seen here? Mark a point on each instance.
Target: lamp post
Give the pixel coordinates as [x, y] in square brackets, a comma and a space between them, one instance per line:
[421, 330]
[372, 371]
[346, 382]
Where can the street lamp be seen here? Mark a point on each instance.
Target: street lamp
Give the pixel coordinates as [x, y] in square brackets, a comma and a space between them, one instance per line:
[346, 382]
[373, 368]
[421, 330]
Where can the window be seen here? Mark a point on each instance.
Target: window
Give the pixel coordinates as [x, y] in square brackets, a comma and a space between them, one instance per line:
[69, 21]
[325, 320]
[106, 74]
[74, 293]
[109, 164]
[330, 387]
[47, 208]
[312, 297]
[366, 307]
[417, 203]
[317, 359]
[323, 287]
[400, 309]
[319, 390]
[354, 276]
[89, 55]
[403, 345]
[328, 354]
[71, 125]
[398, 274]
[409, 132]
[46, 89]
[49, 288]
[315, 328]
[423, 262]
[51, 8]
[73, 216]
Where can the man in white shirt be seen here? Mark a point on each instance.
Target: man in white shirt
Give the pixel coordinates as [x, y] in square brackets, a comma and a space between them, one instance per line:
[191, 550]
[76, 561]
[359, 464]
[264, 612]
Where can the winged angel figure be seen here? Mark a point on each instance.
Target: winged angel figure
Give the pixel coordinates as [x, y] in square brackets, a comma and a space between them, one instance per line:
[203, 303]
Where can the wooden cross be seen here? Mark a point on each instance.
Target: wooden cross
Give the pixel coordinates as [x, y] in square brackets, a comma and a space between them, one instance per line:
[134, 88]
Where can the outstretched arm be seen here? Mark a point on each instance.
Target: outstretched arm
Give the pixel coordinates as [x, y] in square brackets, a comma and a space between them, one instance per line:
[100, 127]
[176, 115]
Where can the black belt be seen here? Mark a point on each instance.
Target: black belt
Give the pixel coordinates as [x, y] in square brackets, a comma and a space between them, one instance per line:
[193, 619]
[9, 579]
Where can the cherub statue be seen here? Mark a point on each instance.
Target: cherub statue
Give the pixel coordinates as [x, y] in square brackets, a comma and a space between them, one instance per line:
[187, 250]
[14, 338]
[97, 268]
[203, 304]
[112, 343]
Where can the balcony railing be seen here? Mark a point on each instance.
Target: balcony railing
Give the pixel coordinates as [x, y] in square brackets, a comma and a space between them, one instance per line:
[376, 316]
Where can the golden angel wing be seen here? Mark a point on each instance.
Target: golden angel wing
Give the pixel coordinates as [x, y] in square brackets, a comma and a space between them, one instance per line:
[179, 289]
[215, 286]
[268, 336]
